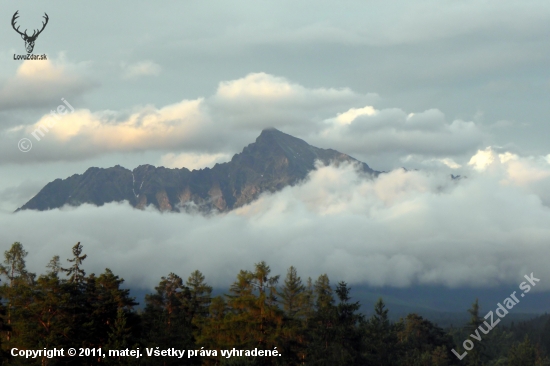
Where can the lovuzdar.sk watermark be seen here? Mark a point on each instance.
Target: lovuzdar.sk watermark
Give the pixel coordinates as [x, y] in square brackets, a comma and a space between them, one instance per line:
[29, 39]
[501, 311]
[30, 57]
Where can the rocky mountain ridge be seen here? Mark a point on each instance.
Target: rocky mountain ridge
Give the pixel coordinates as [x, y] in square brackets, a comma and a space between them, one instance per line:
[274, 161]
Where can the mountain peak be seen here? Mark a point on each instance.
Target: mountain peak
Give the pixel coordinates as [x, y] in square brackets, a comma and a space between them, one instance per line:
[273, 132]
[274, 138]
[275, 160]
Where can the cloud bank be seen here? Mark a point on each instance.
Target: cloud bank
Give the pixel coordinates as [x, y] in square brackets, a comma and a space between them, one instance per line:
[231, 118]
[404, 228]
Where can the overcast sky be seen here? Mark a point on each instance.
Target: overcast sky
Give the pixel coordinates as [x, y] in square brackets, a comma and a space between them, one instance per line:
[446, 87]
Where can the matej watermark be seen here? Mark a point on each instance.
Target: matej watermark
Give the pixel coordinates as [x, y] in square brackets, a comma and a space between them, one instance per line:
[25, 144]
[501, 311]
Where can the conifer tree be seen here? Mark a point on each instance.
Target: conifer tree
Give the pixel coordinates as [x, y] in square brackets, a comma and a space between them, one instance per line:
[166, 318]
[322, 325]
[254, 318]
[380, 338]
[119, 338]
[522, 354]
[422, 342]
[14, 267]
[47, 314]
[75, 272]
[293, 301]
[270, 316]
[241, 302]
[292, 293]
[323, 293]
[199, 300]
[78, 305]
[104, 300]
[16, 291]
[348, 332]
[476, 356]
[308, 301]
[215, 332]
[54, 266]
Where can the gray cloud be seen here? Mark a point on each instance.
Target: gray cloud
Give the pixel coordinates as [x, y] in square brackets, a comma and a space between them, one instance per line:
[39, 84]
[233, 117]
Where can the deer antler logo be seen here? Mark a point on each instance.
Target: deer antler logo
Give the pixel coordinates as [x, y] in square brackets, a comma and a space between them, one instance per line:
[29, 40]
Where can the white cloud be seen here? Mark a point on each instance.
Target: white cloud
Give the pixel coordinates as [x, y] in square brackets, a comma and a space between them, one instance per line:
[138, 69]
[521, 171]
[348, 117]
[450, 163]
[259, 86]
[532, 174]
[44, 83]
[482, 159]
[525, 171]
[385, 136]
[261, 100]
[83, 134]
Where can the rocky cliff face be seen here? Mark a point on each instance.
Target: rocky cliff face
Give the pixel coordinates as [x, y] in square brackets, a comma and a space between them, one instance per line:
[273, 162]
